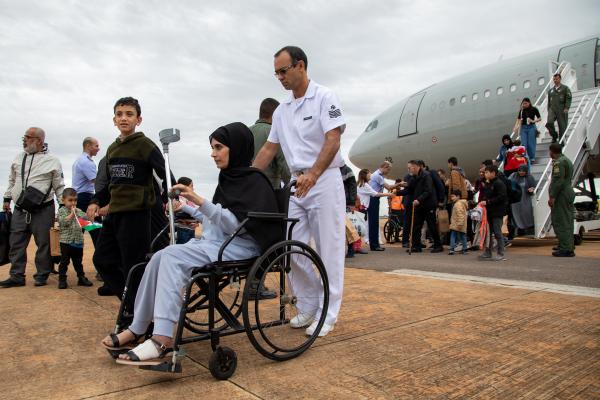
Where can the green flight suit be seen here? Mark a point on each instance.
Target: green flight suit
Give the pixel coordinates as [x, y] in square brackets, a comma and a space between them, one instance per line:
[559, 102]
[277, 171]
[563, 211]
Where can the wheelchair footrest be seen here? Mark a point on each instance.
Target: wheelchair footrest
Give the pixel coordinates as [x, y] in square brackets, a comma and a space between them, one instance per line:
[167, 366]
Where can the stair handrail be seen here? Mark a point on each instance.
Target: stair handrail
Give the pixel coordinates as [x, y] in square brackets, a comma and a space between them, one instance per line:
[560, 69]
[566, 138]
[542, 187]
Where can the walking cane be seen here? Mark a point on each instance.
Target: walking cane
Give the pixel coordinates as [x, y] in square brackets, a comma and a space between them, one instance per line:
[168, 136]
[410, 235]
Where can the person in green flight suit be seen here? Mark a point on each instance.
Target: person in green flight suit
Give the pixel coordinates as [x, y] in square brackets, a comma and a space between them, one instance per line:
[277, 171]
[559, 101]
[561, 201]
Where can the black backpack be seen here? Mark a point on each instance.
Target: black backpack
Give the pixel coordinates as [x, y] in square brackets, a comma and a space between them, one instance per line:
[513, 191]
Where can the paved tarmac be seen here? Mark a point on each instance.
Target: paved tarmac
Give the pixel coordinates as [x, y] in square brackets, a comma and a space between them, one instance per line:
[398, 337]
[527, 260]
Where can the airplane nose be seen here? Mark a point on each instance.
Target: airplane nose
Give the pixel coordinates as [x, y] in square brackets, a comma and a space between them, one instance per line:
[359, 151]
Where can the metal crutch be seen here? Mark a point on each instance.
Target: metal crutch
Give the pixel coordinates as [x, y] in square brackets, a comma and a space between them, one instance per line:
[168, 136]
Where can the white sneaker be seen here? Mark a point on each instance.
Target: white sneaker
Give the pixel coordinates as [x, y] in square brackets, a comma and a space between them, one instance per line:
[301, 320]
[325, 329]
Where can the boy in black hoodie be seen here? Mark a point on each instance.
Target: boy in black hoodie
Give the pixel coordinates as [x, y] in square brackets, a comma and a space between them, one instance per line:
[131, 161]
[496, 203]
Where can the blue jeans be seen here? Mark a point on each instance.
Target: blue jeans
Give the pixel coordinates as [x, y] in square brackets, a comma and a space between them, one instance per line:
[455, 236]
[528, 139]
[184, 235]
[373, 220]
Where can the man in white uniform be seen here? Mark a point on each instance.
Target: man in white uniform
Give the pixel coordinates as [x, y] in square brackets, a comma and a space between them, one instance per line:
[308, 126]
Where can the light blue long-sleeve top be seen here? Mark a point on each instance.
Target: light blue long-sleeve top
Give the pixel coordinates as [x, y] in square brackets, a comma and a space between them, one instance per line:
[218, 224]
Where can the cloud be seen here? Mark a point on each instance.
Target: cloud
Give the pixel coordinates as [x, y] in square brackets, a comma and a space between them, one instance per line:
[198, 65]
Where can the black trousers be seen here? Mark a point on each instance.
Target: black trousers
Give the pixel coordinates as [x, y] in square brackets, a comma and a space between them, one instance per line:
[428, 216]
[123, 243]
[70, 254]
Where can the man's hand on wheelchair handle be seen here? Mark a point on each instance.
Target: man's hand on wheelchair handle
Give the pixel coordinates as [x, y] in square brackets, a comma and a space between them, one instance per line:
[304, 183]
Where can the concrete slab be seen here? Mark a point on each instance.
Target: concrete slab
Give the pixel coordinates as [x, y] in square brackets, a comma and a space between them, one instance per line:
[397, 337]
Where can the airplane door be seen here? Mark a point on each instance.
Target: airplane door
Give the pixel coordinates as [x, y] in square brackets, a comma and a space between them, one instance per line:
[582, 57]
[408, 119]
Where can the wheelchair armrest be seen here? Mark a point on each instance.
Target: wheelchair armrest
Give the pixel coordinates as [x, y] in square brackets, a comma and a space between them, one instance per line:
[265, 215]
[230, 238]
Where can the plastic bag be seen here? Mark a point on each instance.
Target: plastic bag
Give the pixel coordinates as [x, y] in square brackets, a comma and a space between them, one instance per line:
[358, 221]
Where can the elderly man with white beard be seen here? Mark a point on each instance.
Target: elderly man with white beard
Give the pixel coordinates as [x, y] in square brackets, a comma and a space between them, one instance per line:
[35, 178]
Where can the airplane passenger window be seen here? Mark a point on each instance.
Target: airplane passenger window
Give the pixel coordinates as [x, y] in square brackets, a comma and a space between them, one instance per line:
[486, 93]
[526, 84]
[541, 81]
[475, 96]
[500, 90]
[513, 87]
[463, 99]
[452, 101]
[442, 104]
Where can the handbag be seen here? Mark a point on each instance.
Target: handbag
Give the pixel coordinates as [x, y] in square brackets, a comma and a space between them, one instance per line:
[54, 242]
[443, 221]
[30, 199]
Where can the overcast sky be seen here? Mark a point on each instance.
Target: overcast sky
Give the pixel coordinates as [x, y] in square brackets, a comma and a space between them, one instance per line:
[197, 65]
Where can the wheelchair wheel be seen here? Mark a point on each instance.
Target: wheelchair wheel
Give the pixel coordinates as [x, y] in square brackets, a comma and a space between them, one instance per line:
[388, 232]
[266, 321]
[196, 319]
[222, 363]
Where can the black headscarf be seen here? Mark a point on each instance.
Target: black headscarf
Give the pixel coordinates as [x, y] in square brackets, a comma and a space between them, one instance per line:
[242, 188]
[510, 144]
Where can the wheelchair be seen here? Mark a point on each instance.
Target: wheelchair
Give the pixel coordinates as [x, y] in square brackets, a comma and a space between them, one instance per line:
[393, 227]
[223, 298]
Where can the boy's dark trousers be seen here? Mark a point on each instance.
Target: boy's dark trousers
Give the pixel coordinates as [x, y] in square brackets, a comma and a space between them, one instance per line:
[124, 242]
[72, 254]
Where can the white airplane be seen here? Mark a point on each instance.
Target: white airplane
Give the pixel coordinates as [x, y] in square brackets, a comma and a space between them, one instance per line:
[467, 116]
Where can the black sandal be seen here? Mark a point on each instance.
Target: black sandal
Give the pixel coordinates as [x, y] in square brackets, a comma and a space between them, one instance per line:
[116, 345]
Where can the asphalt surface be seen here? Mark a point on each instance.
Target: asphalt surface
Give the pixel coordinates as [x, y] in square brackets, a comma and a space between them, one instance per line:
[527, 261]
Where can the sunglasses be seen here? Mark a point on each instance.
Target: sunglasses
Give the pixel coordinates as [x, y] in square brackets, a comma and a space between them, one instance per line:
[284, 70]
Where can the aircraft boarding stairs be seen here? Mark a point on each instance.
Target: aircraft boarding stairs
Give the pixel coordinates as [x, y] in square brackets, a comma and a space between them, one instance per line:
[581, 139]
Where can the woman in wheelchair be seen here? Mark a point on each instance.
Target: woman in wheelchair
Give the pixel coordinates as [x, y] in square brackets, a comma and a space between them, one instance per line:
[241, 189]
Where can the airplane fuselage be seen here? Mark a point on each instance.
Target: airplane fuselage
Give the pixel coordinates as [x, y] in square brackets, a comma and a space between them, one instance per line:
[466, 116]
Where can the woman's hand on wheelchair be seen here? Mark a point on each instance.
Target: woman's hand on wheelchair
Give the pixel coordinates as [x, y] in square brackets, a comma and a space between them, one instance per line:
[177, 205]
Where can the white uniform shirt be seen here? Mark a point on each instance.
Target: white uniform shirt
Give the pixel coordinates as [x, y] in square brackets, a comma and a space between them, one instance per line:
[299, 126]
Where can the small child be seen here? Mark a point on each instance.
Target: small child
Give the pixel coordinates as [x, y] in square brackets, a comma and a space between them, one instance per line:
[458, 222]
[185, 225]
[71, 239]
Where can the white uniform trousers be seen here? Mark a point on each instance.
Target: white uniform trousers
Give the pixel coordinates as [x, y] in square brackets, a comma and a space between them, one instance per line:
[321, 214]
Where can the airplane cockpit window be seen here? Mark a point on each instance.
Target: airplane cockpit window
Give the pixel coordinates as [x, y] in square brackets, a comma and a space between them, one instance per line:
[452, 101]
[526, 84]
[541, 81]
[500, 90]
[463, 99]
[513, 87]
[371, 126]
[475, 96]
[486, 93]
